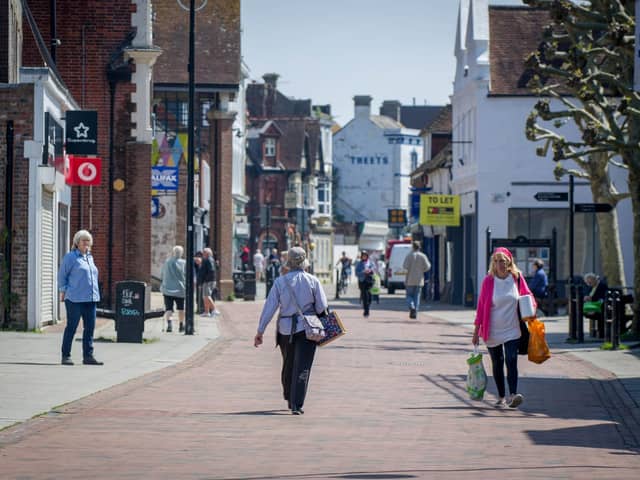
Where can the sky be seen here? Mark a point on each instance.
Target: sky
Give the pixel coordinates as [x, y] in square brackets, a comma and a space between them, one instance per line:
[331, 50]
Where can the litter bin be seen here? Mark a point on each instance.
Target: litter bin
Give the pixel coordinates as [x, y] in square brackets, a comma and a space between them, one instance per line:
[238, 283]
[249, 291]
[132, 301]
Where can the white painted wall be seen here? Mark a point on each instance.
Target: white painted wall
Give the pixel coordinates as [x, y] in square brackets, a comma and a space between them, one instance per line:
[370, 189]
[496, 159]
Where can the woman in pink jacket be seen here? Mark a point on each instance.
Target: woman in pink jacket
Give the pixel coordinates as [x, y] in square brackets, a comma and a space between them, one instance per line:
[497, 322]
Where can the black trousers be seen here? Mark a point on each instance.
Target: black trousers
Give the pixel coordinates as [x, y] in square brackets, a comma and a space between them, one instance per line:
[297, 358]
[365, 295]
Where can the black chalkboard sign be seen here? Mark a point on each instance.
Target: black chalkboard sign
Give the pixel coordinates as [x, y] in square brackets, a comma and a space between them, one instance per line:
[132, 300]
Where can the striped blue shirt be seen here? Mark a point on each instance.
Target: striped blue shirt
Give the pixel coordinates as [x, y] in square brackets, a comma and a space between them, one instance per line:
[78, 277]
[308, 292]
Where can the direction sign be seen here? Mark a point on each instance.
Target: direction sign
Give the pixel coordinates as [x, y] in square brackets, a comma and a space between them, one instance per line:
[552, 196]
[593, 207]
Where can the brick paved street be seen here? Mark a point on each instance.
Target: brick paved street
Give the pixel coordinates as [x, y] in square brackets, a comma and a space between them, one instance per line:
[385, 401]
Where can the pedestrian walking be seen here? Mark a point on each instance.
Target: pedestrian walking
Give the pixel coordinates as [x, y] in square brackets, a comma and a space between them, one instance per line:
[497, 322]
[303, 289]
[78, 286]
[365, 268]
[416, 264]
[258, 265]
[173, 286]
[207, 280]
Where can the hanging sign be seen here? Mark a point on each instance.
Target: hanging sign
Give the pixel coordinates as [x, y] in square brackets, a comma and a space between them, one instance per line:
[81, 132]
[82, 170]
[441, 210]
[164, 178]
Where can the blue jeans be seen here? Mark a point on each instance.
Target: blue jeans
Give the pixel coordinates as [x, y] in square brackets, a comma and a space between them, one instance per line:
[86, 310]
[413, 296]
[498, 358]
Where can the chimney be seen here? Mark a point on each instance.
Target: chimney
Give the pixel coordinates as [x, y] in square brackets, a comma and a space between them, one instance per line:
[271, 79]
[326, 109]
[270, 82]
[362, 106]
[391, 109]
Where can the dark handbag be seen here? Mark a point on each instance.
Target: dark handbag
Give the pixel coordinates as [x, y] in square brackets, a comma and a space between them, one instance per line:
[523, 345]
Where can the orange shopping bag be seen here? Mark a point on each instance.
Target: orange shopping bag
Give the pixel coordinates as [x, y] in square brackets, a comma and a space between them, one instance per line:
[538, 349]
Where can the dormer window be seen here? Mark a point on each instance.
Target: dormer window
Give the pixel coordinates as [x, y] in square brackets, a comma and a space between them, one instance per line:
[269, 147]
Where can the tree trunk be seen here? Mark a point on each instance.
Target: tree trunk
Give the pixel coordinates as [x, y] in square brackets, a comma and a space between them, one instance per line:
[609, 235]
[634, 189]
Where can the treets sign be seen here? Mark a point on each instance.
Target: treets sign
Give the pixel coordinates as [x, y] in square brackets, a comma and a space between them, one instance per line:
[81, 135]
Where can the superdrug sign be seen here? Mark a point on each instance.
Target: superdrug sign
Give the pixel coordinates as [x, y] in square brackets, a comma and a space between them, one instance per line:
[81, 136]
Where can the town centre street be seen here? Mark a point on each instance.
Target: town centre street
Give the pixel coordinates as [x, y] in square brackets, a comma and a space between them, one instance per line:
[388, 400]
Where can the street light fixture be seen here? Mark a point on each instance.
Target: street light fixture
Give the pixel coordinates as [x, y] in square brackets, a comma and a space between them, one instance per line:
[189, 323]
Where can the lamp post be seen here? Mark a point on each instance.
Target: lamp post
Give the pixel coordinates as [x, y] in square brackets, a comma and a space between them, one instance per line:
[189, 323]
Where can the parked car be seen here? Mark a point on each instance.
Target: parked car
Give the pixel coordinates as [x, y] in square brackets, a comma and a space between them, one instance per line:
[396, 274]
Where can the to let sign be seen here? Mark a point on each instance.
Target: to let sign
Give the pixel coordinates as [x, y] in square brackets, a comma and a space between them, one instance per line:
[552, 196]
[443, 210]
[593, 207]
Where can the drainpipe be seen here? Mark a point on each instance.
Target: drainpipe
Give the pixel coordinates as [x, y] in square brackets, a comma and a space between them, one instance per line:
[112, 121]
[8, 207]
[54, 30]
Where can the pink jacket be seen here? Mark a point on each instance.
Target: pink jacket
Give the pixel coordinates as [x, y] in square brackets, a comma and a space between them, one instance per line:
[483, 314]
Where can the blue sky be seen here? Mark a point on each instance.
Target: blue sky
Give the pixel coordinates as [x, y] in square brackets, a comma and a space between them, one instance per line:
[331, 50]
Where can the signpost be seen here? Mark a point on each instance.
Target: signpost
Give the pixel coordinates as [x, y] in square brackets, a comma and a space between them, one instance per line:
[552, 196]
[593, 207]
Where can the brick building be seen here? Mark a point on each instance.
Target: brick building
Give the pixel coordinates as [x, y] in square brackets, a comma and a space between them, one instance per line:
[288, 172]
[218, 78]
[58, 58]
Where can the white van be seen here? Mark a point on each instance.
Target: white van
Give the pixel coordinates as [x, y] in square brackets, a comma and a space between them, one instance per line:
[396, 274]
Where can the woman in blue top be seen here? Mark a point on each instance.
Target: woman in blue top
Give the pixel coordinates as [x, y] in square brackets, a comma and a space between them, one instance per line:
[78, 286]
[296, 290]
[365, 269]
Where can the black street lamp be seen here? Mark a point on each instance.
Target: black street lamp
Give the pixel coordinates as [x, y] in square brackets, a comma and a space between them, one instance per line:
[189, 323]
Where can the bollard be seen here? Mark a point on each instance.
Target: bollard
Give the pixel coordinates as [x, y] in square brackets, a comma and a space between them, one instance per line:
[579, 314]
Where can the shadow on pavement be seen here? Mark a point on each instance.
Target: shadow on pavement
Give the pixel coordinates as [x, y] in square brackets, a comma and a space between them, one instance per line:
[561, 398]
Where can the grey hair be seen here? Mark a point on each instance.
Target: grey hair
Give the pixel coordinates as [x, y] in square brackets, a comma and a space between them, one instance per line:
[208, 251]
[82, 235]
[590, 275]
[178, 251]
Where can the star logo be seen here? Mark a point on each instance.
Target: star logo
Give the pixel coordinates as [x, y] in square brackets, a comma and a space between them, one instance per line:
[81, 130]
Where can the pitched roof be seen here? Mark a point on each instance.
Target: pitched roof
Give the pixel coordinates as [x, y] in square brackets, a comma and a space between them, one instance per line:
[514, 32]
[385, 122]
[264, 101]
[296, 135]
[441, 123]
[418, 116]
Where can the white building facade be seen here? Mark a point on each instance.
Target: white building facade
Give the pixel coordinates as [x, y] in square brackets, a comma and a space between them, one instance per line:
[373, 157]
[496, 171]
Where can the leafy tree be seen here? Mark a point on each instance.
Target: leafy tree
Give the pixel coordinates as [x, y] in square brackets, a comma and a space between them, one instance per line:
[584, 74]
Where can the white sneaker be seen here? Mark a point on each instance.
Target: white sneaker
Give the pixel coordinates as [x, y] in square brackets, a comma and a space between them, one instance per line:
[216, 312]
[500, 403]
[516, 400]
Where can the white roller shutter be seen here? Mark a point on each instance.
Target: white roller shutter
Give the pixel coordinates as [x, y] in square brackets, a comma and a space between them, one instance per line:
[46, 258]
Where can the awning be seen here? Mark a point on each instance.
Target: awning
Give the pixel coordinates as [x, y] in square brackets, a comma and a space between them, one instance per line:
[373, 236]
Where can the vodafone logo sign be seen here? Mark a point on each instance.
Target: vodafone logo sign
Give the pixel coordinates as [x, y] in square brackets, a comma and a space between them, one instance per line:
[83, 170]
[87, 172]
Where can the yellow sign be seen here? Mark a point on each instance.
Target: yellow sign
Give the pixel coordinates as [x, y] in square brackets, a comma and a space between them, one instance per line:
[441, 210]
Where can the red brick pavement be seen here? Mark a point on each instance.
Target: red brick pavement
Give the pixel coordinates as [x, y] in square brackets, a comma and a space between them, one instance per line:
[385, 401]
